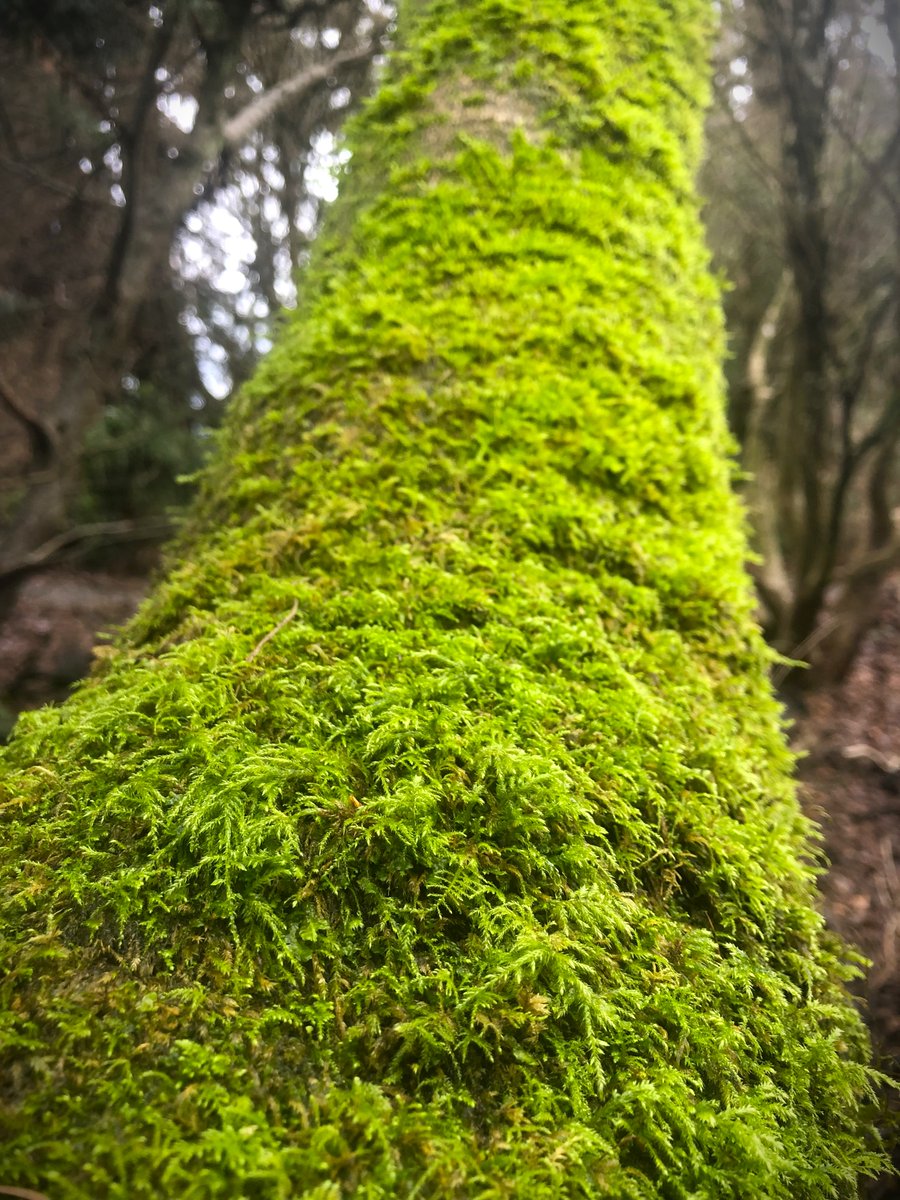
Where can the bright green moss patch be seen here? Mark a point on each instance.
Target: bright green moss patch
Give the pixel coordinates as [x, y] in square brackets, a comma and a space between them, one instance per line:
[430, 833]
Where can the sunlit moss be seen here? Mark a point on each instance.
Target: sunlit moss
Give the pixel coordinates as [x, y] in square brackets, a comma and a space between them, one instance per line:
[430, 832]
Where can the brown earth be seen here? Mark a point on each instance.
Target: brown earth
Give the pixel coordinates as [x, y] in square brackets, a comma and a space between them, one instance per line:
[851, 786]
[48, 630]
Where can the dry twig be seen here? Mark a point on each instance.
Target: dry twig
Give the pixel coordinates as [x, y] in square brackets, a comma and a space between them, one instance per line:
[272, 632]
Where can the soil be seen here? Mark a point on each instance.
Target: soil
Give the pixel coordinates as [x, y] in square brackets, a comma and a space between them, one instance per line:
[851, 786]
[48, 630]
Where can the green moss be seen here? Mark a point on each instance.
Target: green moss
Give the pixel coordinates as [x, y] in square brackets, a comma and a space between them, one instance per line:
[430, 832]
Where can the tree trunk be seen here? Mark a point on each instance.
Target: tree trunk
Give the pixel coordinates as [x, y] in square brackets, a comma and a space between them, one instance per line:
[431, 831]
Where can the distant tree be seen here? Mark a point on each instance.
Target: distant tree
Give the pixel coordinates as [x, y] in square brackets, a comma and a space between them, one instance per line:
[430, 833]
[804, 188]
[117, 122]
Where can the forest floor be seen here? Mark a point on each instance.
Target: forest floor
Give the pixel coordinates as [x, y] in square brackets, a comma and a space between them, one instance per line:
[850, 775]
[49, 628]
[851, 786]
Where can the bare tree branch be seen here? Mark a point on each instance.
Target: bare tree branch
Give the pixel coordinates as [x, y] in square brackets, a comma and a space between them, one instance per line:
[888, 422]
[40, 436]
[8, 131]
[131, 135]
[874, 170]
[874, 565]
[99, 532]
[239, 128]
[66, 71]
[767, 173]
[46, 181]
[773, 583]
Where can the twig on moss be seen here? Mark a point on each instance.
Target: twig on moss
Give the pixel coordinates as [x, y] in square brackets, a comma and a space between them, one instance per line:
[278, 628]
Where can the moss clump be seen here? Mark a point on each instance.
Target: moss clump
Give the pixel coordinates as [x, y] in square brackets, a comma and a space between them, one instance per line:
[430, 832]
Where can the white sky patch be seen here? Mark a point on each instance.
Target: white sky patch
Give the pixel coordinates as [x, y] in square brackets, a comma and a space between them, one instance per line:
[181, 110]
[237, 247]
[305, 36]
[231, 281]
[878, 41]
[272, 176]
[249, 186]
[216, 380]
[323, 166]
[276, 218]
[381, 9]
[216, 243]
[285, 288]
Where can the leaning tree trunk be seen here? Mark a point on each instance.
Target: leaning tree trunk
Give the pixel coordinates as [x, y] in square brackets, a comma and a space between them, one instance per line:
[430, 832]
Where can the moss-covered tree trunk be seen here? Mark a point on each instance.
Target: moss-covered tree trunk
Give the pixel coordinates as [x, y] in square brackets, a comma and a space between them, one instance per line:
[430, 832]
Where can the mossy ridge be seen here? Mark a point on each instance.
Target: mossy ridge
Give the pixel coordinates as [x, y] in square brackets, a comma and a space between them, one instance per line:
[484, 876]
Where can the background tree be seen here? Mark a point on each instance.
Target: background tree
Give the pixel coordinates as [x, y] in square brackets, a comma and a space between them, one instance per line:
[117, 123]
[805, 163]
[431, 830]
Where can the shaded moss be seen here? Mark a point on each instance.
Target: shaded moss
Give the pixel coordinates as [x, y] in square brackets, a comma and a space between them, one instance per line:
[430, 832]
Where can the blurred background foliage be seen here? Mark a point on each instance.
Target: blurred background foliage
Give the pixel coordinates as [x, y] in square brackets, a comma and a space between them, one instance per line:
[163, 166]
[802, 181]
